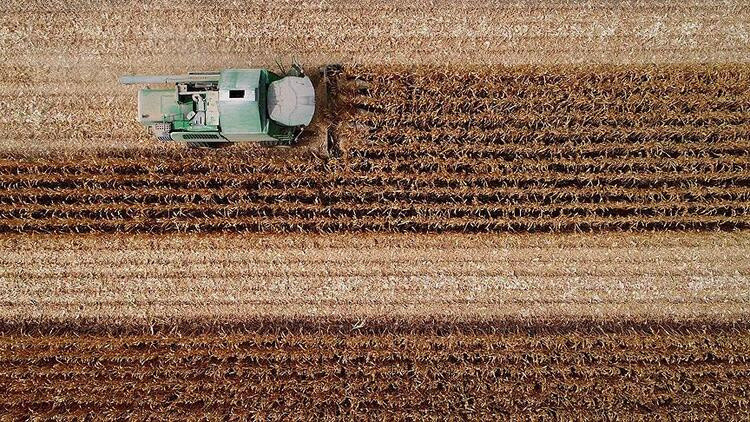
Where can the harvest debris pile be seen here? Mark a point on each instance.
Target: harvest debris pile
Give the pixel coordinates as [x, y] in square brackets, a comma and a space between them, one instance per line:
[366, 368]
[434, 149]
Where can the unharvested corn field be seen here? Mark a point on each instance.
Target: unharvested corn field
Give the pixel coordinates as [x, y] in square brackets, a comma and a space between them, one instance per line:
[283, 369]
[433, 149]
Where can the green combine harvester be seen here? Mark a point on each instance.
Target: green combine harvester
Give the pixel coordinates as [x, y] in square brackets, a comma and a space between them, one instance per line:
[235, 105]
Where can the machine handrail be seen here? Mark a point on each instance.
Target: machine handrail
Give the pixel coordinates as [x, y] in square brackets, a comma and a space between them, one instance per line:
[168, 79]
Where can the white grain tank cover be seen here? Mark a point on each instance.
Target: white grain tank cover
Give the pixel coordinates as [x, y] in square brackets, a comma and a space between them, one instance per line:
[291, 101]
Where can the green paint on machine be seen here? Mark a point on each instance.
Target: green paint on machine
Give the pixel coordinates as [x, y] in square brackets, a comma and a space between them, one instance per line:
[234, 105]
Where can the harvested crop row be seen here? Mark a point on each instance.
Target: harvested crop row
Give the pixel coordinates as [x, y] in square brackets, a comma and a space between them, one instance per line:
[435, 150]
[319, 369]
[125, 278]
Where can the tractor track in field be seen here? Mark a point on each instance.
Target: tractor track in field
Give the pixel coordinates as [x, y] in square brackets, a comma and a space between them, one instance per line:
[436, 149]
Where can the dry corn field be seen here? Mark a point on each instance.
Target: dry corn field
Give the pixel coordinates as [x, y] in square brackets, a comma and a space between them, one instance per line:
[524, 210]
[281, 369]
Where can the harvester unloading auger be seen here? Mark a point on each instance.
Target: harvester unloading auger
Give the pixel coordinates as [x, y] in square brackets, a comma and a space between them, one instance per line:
[212, 109]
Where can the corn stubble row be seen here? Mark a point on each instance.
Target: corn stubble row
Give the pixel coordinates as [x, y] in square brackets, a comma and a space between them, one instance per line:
[299, 368]
[431, 149]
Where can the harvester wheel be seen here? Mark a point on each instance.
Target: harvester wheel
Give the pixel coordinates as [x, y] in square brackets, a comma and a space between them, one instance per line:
[275, 143]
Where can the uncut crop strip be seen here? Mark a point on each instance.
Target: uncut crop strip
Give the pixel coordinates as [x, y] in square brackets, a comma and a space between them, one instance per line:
[317, 368]
[551, 149]
[436, 150]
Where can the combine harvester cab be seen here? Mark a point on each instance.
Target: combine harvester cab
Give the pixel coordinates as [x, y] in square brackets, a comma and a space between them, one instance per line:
[235, 105]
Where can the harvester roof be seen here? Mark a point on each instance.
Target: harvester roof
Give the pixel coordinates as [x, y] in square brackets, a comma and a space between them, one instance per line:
[239, 101]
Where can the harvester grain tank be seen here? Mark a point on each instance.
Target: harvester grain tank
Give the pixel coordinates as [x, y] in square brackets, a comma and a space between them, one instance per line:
[234, 105]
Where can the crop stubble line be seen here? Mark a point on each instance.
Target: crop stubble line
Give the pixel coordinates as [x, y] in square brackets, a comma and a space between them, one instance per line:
[431, 224]
[295, 254]
[190, 300]
[100, 299]
[279, 281]
[727, 260]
